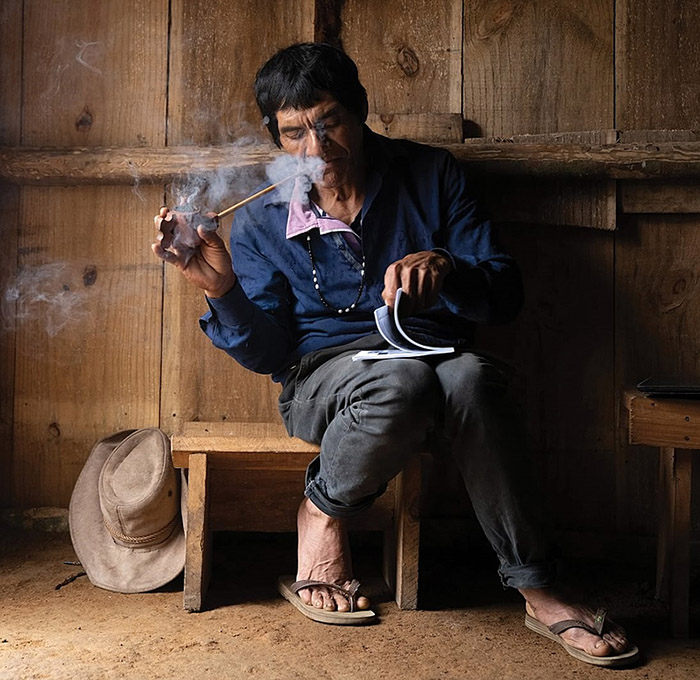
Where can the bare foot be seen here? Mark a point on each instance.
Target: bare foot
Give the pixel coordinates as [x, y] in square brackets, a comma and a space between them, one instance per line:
[549, 607]
[324, 555]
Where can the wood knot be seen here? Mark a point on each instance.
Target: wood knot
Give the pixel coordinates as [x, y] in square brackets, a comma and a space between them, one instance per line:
[408, 61]
[90, 275]
[676, 286]
[54, 430]
[84, 121]
[496, 20]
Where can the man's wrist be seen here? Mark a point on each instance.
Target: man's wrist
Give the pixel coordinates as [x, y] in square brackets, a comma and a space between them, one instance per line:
[446, 257]
[220, 291]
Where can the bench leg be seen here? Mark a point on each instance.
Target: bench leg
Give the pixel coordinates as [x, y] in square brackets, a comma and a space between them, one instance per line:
[198, 541]
[673, 551]
[401, 545]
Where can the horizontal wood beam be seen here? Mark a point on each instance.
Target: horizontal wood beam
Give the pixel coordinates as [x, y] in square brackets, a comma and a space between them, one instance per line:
[77, 166]
[605, 161]
[103, 165]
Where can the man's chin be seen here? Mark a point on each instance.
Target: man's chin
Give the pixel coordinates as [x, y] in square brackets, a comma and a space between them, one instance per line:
[331, 179]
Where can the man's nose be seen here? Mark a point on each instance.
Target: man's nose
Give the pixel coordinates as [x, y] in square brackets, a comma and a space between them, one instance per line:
[315, 142]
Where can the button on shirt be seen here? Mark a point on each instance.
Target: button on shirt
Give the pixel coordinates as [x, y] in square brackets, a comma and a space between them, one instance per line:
[416, 199]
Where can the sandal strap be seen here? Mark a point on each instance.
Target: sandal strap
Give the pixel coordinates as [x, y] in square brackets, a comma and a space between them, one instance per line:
[595, 629]
[350, 592]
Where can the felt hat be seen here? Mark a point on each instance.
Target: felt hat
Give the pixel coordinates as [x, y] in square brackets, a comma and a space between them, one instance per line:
[126, 511]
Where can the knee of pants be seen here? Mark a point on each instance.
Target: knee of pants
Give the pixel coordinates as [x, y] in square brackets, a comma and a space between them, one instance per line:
[403, 394]
[470, 383]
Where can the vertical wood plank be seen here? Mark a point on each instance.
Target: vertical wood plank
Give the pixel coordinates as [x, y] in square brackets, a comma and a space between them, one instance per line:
[534, 67]
[10, 118]
[95, 73]
[658, 64]
[216, 50]
[88, 343]
[407, 534]
[561, 349]
[408, 53]
[198, 550]
[666, 506]
[658, 87]
[9, 219]
[657, 332]
[680, 565]
[211, 100]
[88, 357]
[10, 71]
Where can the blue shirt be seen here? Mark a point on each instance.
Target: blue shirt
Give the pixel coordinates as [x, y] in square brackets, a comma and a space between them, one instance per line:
[416, 199]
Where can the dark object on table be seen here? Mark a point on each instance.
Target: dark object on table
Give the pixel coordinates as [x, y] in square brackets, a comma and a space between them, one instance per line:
[675, 386]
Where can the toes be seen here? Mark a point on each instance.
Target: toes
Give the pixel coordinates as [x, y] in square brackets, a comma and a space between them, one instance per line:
[617, 641]
[317, 599]
[341, 603]
[602, 648]
[329, 602]
[362, 602]
[305, 594]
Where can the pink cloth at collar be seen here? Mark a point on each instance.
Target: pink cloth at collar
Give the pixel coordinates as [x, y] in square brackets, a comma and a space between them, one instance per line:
[303, 218]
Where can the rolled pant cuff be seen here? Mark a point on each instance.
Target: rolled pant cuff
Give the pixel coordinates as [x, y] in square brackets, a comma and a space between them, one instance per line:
[538, 575]
[315, 491]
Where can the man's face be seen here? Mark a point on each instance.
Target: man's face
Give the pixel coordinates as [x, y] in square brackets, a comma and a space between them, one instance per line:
[327, 130]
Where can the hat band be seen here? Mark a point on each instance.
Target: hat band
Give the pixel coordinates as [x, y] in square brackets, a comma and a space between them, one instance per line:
[154, 538]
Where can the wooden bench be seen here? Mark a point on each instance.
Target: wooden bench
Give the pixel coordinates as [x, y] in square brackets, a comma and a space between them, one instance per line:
[674, 426]
[250, 477]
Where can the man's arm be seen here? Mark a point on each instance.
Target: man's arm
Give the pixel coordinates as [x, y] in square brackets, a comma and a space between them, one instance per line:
[485, 285]
[256, 338]
[467, 268]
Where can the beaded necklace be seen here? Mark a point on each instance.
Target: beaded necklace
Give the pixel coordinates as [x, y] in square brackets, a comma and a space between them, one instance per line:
[337, 310]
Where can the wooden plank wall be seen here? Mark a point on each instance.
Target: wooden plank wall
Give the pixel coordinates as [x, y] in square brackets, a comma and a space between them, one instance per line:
[88, 355]
[544, 68]
[603, 308]
[10, 107]
[657, 307]
[199, 384]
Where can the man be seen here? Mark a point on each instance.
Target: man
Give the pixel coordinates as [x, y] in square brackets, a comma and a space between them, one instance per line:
[295, 299]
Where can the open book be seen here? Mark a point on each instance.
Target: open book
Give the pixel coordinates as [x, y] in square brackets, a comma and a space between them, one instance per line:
[403, 346]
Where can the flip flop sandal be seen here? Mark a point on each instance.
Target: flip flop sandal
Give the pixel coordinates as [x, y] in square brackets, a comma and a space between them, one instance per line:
[554, 631]
[289, 589]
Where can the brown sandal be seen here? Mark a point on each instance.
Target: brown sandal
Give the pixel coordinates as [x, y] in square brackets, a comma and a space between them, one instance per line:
[289, 589]
[554, 631]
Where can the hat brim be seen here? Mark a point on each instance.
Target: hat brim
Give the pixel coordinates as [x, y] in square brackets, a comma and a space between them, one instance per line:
[106, 563]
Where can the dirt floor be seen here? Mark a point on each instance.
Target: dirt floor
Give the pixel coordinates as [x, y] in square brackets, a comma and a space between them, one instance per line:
[468, 627]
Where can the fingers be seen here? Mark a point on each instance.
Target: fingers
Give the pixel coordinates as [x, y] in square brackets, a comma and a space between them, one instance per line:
[211, 238]
[420, 276]
[166, 255]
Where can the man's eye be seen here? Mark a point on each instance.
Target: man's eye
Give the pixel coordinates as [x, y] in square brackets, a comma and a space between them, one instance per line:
[331, 123]
[294, 135]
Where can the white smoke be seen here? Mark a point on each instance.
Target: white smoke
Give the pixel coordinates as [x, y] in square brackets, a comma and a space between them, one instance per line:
[48, 293]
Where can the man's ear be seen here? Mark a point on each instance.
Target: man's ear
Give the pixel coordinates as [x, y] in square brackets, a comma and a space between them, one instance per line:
[365, 112]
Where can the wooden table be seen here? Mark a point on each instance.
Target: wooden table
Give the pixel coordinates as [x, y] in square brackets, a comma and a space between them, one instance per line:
[674, 426]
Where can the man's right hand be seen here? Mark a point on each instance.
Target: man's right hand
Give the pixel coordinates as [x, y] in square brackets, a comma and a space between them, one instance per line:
[209, 268]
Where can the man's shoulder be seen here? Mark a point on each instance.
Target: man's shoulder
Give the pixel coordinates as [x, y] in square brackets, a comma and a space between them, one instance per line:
[407, 153]
[263, 219]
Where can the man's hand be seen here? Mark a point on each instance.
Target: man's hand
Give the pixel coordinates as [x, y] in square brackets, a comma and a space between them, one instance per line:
[209, 268]
[420, 275]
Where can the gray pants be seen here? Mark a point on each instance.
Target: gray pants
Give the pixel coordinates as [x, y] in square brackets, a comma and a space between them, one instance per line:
[370, 417]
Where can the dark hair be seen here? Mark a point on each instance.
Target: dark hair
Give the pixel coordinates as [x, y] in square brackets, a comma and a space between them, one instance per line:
[298, 76]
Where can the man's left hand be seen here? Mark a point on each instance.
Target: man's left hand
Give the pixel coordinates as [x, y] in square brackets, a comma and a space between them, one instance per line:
[420, 275]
